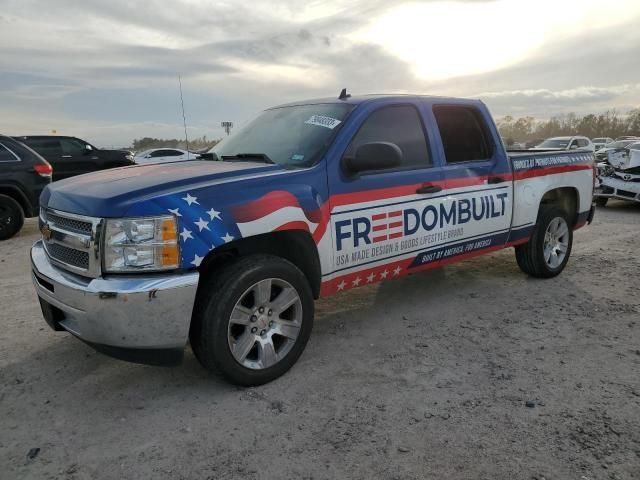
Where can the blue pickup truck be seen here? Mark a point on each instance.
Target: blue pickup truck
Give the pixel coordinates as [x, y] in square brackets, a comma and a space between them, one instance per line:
[309, 199]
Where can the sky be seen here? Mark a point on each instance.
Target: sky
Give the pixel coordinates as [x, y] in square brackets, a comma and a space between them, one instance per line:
[107, 71]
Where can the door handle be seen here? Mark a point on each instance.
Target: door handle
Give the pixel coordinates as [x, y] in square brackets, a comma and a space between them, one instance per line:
[429, 189]
[65, 156]
[494, 180]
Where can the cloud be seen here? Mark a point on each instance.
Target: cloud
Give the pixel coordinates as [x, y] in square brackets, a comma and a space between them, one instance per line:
[101, 68]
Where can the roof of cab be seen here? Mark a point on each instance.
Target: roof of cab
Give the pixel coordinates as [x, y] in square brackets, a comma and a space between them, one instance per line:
[356, 100]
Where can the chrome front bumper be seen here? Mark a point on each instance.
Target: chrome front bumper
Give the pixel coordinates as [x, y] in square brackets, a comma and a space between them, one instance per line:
[132, 317]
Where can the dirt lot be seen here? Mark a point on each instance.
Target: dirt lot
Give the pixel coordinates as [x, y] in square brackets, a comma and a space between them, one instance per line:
[472, 371]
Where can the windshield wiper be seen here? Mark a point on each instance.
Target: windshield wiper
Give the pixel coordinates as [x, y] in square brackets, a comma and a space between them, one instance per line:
[249, 157]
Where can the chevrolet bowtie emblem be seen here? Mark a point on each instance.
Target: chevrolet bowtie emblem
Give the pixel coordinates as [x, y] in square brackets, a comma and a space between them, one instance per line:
[46, 232]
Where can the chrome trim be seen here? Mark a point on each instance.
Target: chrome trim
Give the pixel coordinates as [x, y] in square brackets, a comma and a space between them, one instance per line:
[82, 242]
[129, 311]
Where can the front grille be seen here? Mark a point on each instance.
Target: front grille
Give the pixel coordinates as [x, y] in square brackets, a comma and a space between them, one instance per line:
[632, 179]
[69, 223]
[70, 256]
[71, 241]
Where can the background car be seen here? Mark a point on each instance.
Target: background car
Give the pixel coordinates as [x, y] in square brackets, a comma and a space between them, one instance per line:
[23, 175]
[603, 153]
[161, 155]
[71, 156]
[600, 142]
[566, 143]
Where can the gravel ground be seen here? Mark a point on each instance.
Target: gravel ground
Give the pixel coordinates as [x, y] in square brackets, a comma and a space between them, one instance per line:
[472, 371]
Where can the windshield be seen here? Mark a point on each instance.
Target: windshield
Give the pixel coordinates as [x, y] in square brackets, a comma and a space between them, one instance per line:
[555, 143]
[291, 136]
[600, 140]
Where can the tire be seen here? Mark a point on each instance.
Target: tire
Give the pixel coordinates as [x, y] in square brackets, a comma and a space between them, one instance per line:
[601, 201]
[257, 344]
[11, 217]
[531, 256]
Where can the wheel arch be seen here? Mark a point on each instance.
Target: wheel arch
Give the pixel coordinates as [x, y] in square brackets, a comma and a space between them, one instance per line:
[296, 246]
[15, 193]
[567, 198]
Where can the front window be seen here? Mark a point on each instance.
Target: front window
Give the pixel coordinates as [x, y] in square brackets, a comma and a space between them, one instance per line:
[295, 136]
[555, 143]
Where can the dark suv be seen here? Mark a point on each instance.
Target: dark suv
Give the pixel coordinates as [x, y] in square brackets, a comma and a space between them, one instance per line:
[72, 156]
[23, 175]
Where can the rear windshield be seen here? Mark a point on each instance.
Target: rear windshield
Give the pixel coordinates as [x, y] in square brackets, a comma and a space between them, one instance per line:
[294, 136]
[554, 143]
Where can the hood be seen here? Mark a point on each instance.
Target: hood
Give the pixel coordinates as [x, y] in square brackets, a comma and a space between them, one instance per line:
[110, 193]
[545, 148]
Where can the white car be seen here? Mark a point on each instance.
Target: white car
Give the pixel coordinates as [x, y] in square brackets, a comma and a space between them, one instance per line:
[566, 143]
[161, 155]
[600, 142]
[619, 176]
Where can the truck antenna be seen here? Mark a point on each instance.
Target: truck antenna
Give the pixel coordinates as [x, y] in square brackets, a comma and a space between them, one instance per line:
[184, 118]
[344, 95]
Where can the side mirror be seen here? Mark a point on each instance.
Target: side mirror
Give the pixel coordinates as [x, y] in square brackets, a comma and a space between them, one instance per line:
[573, 147]
[373, 156]
[87, 149]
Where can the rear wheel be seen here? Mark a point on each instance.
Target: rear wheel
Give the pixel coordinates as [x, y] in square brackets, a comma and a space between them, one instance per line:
[601, 201]
[11, 217]
[253, 319]
[547, 252]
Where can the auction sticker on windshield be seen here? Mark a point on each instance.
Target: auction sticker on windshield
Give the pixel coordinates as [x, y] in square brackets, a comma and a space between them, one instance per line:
[323, 121]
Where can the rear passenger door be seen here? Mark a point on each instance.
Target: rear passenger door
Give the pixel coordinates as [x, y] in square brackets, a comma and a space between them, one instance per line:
[477, 176]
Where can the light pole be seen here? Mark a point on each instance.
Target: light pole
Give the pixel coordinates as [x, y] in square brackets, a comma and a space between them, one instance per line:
[227, 126]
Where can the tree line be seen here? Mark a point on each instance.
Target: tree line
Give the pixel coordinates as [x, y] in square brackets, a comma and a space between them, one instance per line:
[608, 124]
[198, 143]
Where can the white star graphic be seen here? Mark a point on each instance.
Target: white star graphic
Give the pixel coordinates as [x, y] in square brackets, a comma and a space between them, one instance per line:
[175, 211]
[213, 214]
[341, 285]
[227, 238]
[185, 234]
[356, 282]
[396, 271]
[197, 260]
[202, 224]
[371, 277]
[189, 199]
[384, 274]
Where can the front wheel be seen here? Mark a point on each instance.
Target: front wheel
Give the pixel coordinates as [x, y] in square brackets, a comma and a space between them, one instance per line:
[547, 252]
[252, 319]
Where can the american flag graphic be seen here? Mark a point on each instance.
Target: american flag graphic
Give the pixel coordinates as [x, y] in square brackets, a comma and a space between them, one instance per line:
[386, 226]
[204, 226]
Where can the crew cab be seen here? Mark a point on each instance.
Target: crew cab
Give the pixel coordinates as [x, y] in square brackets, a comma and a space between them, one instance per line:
[310, 199]
[71, 156]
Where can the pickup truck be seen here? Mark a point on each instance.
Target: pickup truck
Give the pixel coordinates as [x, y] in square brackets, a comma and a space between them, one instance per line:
[308, 200]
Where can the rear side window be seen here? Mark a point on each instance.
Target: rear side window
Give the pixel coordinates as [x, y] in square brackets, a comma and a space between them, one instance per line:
[7, 155]
[401, 125]
[464, 134]
[582, 142]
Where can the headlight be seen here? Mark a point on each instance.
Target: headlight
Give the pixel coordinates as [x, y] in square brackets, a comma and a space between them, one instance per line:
[136, 244]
